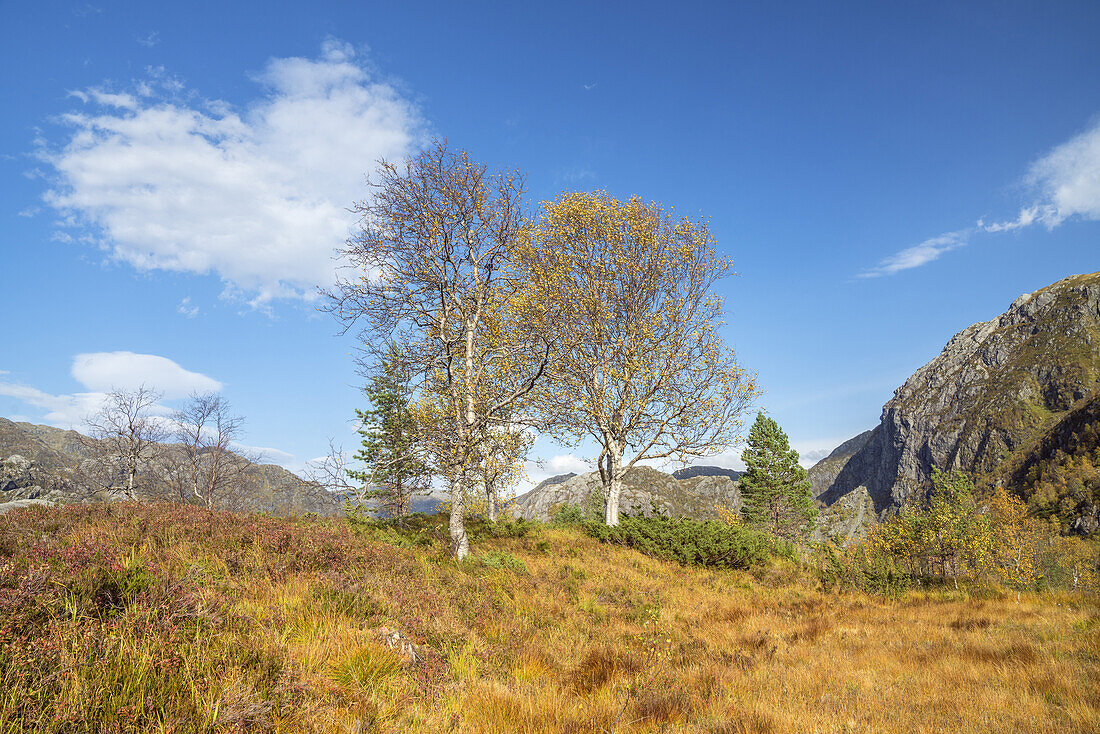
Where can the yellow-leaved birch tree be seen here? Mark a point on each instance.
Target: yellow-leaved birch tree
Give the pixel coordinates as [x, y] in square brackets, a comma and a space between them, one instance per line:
[431, 271]
[645, 374]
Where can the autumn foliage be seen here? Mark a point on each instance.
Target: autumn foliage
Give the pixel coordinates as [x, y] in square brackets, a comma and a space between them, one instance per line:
[952, 535]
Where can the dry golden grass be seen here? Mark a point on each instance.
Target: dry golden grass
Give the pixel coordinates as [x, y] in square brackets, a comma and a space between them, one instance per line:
[595, 638]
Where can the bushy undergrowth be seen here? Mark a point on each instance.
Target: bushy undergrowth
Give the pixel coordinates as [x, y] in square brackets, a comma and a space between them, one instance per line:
[168, 619]
[854, 568]
[691, 542]
[130, 617]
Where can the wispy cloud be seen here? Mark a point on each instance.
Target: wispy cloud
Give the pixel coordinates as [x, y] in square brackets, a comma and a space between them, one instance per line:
[917, 255]
[1065, 185]
[150, 39]
[256, 195]
[576, 174]
[187, 309]
[590, 87]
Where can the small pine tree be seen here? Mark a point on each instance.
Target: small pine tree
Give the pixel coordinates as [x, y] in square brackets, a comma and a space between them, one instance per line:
[774, 487]
[392, 473]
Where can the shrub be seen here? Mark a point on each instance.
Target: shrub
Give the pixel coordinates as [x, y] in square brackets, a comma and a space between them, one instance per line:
[858, 568]
[504, 561]
[691, 542]
[521, 528]
[570, 514]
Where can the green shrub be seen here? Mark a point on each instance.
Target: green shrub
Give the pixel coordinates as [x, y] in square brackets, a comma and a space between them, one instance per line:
[570, 514]
[505, 561]
[856, 568]
[478, 528]
[691, 542]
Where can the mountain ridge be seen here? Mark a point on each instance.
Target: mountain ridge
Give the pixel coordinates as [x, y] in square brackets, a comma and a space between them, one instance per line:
[995, 387]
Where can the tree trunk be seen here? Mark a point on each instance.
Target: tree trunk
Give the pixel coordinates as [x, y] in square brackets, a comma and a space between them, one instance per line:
[460, 543]
[615, 484]
[491, 502]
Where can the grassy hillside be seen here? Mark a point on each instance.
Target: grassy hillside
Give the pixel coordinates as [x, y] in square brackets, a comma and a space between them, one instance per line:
[143, 618]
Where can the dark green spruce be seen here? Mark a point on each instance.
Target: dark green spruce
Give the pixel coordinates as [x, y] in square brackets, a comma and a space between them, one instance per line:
[392, 473]
[776, 493]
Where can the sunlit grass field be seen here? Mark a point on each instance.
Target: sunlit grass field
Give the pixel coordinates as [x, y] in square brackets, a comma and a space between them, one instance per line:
[162, 618]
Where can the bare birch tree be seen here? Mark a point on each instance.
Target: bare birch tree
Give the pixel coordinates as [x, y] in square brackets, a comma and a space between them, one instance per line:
[124, 437]
[208, 468]
[646, 375]
[431, 266]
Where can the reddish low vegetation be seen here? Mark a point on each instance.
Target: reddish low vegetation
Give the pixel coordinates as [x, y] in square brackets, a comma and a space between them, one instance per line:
[165, 618]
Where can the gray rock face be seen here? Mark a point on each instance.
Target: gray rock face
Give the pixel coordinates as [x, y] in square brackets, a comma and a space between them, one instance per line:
[994, 387]
[644, 489]
[22, 480]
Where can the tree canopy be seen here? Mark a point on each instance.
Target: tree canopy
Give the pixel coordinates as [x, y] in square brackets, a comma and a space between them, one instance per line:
[776, 493]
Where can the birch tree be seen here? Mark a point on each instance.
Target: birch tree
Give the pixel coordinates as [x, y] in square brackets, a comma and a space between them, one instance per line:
[646, 374]
[124, 439]
[208, 468]
[500, 464]
[431, 269]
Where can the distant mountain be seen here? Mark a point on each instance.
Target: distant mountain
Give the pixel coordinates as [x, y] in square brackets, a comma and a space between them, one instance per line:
[690, 472]
[997, 389]
[38, 462]
[644, 488]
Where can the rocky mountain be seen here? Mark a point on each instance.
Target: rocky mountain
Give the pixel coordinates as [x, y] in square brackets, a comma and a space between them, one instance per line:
[1059, 472]
[996, 389]
[37, 462]
[694, 493]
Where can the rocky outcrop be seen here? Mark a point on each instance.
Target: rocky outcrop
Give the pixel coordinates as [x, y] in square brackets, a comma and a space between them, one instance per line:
[994, 388]
[23, 483]
[824, 473]
[645, 490]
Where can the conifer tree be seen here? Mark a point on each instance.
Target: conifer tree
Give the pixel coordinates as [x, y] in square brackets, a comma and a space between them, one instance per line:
[393, 473]
[774, 487]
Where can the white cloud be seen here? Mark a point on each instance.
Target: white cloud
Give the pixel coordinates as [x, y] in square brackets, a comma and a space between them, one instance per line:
[1066, 185]
[104, 371]
[150, 39]
[187, 309]
[918, 255]
[269, 455]
[101, 372]
[62, 411]
[566, 463]
[1068, 179]
[810, 451]
[256, 195]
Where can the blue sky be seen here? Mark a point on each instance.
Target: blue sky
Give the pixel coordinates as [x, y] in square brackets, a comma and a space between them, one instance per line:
[173, 179]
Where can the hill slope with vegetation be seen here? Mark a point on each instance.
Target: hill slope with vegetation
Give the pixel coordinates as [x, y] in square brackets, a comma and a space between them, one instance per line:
[694, 493]
[166, 618]
[44, 470]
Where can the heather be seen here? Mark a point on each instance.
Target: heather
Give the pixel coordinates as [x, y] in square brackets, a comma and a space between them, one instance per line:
[169, 618]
